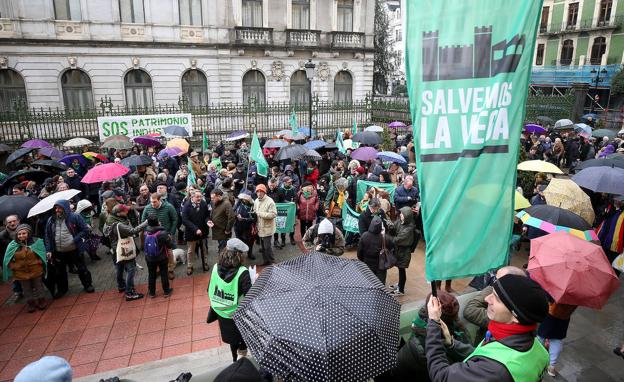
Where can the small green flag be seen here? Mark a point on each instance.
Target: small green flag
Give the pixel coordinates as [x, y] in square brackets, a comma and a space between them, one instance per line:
[293, 123]
[217, 163]
[354, 126]
[285, 219]
[339, 142]
[262, 167]
[205, 142]
[191, 179]
[349, 219]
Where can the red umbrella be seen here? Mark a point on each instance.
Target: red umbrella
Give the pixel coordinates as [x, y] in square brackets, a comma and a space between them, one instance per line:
[104, 172]
[572, 270]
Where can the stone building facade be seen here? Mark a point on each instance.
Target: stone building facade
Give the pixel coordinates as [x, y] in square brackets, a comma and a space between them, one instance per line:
[72, 53]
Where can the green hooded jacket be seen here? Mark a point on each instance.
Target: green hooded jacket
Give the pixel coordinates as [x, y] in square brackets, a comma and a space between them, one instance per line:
[37, 246]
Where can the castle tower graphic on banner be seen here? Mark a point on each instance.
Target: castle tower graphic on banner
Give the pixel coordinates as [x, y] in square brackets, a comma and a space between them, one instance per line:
[480, 60]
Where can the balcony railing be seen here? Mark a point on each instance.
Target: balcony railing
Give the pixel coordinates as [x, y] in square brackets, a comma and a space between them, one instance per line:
[253, 36]
[562, 75]
[582, 25]
[347, 40]
[303, 37]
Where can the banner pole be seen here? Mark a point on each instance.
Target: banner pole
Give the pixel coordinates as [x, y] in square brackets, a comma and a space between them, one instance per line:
[434, 289]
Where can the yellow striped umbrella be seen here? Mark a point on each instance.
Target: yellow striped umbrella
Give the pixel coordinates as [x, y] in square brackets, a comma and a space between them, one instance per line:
[566, 194]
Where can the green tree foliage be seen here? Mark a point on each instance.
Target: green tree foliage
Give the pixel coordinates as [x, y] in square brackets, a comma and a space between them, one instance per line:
[384, 61]
[617, 83]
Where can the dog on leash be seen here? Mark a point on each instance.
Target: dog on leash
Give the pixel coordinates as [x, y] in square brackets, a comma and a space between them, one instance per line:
[179, 256]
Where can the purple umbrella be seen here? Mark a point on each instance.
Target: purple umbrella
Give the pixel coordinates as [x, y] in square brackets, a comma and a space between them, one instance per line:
[51, 152]
[396, 124]
[170, 151]
[534, 129]
[236, 135]
[36, 144]
[364, 153]
[68, 159]
[146, 141]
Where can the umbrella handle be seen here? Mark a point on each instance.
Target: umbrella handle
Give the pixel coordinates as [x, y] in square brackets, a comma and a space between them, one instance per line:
[434, 289]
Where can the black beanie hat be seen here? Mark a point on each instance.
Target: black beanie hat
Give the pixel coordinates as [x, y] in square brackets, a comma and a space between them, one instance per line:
[524, 298]
[240, 371]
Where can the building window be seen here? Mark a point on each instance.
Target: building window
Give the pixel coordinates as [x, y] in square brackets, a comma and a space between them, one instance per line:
[567, 52]
[138, 85]
[539, 57]
[605, 12]
[544, 20]
[345, 15]
[253, 87]
[598, 50]
[252, 13]
[195, 88]
[12, 90]
[301, 14]
[190, 12]
[572, 15]
[343, 87]
[398, 35]
[77, 94]
[132, 11]
[67, 10]
[299, 88]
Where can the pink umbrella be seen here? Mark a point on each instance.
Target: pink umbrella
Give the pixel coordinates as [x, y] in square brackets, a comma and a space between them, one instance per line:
[572, 270]
[104, 172]
[364, 153]
[396, 124]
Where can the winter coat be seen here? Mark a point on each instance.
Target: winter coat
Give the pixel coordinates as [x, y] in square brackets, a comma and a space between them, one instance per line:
[125, 229]
[477, 369]
[166, 214]
[229, 331]
[404, 238]
[366, 217]
[288, 171]
[404, 197]
[288, 194]
[311, 239]
[306, 208]
[276, 194]
[194, 219]
[27, 267]
[266, 213]
[312, 177]
[370, 245]
[223, 219]
[475, 311]
[164, 243]
[242, 225]
[75, 225]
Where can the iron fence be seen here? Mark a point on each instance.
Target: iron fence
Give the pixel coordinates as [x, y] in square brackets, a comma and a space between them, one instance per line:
[218, 120]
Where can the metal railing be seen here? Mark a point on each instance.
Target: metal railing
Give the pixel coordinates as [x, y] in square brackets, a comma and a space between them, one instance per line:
[581, 25]
[303, 37]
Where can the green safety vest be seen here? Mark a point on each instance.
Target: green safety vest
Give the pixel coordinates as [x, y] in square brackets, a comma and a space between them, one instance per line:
[523, 366]
[224, 296]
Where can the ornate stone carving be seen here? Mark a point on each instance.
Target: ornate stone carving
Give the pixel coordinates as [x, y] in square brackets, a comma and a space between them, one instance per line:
[193, 63]
[314, 54]
[322, 71]
[345, 65]
[4, 62]
[302, 65]
[277, 70]
[73, 62]
[254, 64]
[136, 62]
[267, 53]
[241, 52]
[290, 53]
[335, 54]
[358, 56]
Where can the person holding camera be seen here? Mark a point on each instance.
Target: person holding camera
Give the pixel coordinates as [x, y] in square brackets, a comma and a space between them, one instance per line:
[324, 237]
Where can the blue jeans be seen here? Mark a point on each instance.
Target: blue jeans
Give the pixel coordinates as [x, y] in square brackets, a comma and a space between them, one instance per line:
[130, 267]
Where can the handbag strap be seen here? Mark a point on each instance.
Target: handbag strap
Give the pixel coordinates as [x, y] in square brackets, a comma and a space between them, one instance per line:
[118, 234]
[383, 241]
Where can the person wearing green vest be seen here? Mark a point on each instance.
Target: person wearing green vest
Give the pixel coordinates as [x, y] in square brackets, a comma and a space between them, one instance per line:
[229, 283]
[510, 350]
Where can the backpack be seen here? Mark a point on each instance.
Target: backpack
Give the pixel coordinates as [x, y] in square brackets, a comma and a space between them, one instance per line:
[151, 247]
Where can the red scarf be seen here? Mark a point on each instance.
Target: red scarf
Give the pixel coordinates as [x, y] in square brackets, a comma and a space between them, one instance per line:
[499, 330]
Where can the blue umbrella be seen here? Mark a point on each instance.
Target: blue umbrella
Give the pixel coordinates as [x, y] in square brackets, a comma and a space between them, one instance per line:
[176, 131]
[314, 145]
[593, 116]
[51, 152]
[609, 180]
[306, 131]
[68, 159]
[389, 156]
[583, 128]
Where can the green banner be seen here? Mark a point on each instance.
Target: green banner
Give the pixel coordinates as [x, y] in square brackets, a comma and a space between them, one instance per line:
[468, 68]
[364, 185]
[285, 220]
[349, 219]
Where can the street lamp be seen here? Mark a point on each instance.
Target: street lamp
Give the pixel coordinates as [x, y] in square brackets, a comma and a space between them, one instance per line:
[309, 69]
[597, 80]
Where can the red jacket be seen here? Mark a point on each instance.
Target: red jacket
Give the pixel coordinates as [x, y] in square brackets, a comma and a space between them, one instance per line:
[306, 208]
[312, 177]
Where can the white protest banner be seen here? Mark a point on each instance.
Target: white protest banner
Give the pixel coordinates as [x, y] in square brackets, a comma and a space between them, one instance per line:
[137, 125]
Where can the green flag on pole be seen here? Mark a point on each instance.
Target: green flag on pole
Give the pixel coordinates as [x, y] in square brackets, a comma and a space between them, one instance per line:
[350, 219]
[339, 142]
[204, 141]
[354, 126]
[468, 73]
[285, 219]
[262, 167]
[293, 123]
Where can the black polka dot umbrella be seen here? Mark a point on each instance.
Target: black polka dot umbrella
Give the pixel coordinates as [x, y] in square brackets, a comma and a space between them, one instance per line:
[320, 318]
